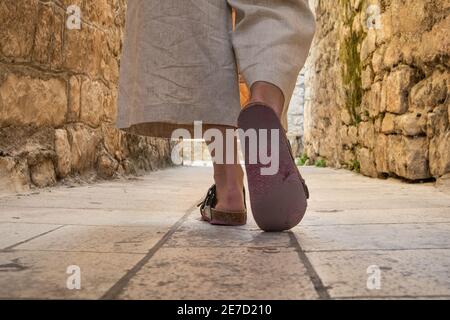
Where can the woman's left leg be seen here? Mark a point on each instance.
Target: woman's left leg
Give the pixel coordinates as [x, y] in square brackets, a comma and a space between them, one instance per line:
[228, 175]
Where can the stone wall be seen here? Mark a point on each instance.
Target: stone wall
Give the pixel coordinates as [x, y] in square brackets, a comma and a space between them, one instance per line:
[58, 92]
[379, 81]
[295, 116]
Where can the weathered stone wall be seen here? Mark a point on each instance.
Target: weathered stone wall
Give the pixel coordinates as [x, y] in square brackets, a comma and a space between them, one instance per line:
[58, 92]
[380, 87]
[295, 116]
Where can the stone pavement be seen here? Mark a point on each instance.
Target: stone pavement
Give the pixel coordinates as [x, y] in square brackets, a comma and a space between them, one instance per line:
[142, 239]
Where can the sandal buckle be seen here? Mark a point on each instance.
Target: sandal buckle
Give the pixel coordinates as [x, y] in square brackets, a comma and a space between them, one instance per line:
[207, 211]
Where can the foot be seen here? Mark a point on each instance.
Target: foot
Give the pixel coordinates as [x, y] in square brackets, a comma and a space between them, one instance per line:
[230, 198]
[212, 215]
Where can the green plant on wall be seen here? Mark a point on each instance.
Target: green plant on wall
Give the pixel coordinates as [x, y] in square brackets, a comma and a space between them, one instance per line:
[321, 163]
[302, 160]
[350, 58]
[355, 165]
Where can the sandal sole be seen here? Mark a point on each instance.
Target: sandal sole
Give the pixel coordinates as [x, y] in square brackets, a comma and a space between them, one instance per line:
[278, 201]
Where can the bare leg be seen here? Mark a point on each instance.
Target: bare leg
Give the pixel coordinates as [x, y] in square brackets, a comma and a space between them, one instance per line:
[229, 181]
[268, 94]
[229, 178]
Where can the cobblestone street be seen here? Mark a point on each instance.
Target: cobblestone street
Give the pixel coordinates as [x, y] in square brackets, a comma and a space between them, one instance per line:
[142, 239]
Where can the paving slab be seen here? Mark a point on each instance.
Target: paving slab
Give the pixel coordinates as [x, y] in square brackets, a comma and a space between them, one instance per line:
[90, 217]
[148, 193]
[374, 236]
[395, 203]
[101, 239]
[221, 274]
[14, 233]
[375, 216]
[43, 275]
[142, 238]
[404, 273]
[197, 233]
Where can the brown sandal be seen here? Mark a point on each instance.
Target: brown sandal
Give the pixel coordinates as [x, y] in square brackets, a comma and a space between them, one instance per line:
[222, 218]
[278, 201]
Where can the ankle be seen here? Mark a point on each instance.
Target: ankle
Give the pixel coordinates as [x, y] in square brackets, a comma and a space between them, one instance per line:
[268, 94]
[230, 175]
[231, 199]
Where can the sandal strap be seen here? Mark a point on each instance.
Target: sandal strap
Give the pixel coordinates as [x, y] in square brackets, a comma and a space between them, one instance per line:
[207, 207]
[305, 187]
[210, 199]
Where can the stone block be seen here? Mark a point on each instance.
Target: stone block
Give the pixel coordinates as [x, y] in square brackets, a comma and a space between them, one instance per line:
[83, 147]
[397, 86]
[28, 100]
[412, 123]
[109, 114]
[367, 162]
[74, 99]
[43, 173]
[408, 157]
[374, 100]
[431, 91]
[377, 60]
[440, 155]
[388, 124]
[434, 44]
[366, 134]
[62, 150]
[49, 36]
[368, 45]
[81, 50]
[17, 28]
[393, 55]
[14, 176]
[437, 121]
[367, 78]
[381, 154]
[92, 102]
[106, 165]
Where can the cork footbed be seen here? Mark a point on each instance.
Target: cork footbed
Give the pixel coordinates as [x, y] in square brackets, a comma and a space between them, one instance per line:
[220, 217]
[225, 218]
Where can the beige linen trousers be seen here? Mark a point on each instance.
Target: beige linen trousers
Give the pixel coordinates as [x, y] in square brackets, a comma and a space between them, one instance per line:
[181, 58]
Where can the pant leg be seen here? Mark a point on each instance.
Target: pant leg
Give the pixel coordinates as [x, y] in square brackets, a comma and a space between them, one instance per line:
[178, 65]
[272, 40]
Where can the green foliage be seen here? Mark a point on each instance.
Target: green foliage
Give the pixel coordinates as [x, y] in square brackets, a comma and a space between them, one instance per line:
[321, 163]
[351, 61]
[355, 165]
[302, 160]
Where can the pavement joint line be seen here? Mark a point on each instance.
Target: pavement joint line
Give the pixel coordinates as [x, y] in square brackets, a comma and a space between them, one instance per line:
[117, 288]
[10, 248]
[320, 288]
